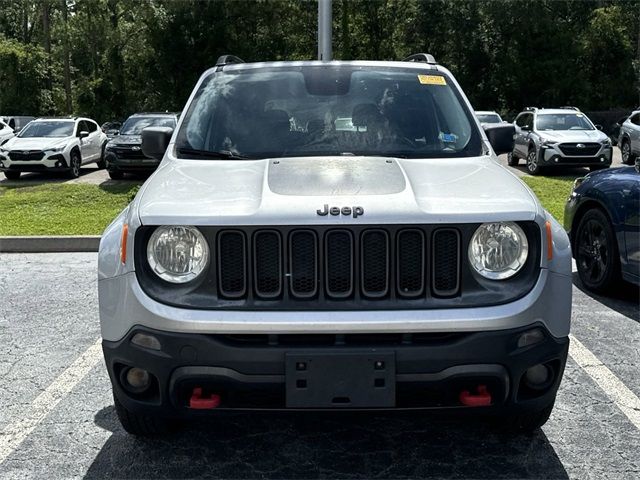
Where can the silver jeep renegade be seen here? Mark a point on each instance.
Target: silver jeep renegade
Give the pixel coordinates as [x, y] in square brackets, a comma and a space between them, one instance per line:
[332, 235]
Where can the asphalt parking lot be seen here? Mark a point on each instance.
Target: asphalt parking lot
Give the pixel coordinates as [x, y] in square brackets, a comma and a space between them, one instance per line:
[57, 418]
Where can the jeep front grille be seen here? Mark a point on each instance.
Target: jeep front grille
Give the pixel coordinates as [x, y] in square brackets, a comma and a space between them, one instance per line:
[584, 150]
[338, 267]
[336, 264]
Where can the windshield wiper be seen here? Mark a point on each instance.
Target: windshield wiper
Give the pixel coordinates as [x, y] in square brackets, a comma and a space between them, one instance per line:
[224, 154]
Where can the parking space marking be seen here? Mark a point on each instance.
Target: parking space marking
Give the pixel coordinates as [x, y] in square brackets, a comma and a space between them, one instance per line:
[14, 434]
[625, 399]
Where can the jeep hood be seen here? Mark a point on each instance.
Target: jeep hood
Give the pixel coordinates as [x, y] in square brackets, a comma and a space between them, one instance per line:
[291, 190]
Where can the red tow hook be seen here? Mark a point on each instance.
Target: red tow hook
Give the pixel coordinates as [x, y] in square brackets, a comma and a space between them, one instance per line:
[480, 399]
[197, 402]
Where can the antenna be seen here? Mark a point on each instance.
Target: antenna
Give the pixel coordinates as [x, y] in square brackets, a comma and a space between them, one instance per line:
[325, 40]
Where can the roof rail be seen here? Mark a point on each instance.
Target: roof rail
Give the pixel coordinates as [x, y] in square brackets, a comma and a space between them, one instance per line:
[569, 107]
[530, 109]
[421, 57]
[227, 59]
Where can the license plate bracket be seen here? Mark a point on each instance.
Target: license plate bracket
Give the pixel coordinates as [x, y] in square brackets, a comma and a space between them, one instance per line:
[340, 380]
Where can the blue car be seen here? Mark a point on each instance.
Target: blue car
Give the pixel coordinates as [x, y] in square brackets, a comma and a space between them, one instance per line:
[602, 217]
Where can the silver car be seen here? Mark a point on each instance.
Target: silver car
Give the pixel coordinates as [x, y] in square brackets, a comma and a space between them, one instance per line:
[279, 260]
[629, 139]
[548, 138]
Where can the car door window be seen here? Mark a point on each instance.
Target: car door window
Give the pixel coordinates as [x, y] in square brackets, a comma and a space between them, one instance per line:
[636, 119]
[91, 127]
[82, 127]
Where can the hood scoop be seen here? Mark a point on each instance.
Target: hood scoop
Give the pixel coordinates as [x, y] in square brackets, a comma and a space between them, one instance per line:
[317, 176]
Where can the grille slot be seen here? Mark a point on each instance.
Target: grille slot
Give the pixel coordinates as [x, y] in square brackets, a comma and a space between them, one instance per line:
[588, 149]
[410, 252]
[446, 262]
[26, 155]
[374, 267]
[303, 262]
[339, 263]
[267, 264]
[232, 264]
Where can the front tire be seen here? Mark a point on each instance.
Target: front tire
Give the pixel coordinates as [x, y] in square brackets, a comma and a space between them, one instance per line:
[142, 425]
[512, 160]
[628, 158]
[75, 164]
[596, 252]
[115, 175]
[12, 175]
[533, 167]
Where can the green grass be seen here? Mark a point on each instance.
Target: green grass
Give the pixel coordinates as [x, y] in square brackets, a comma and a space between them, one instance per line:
[552, 192]
[59, 209]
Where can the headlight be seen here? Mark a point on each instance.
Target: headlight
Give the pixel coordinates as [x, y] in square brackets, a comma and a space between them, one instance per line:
[548, 143]
[54, 150]
[606, 142]
[498, 250]
[177, 254]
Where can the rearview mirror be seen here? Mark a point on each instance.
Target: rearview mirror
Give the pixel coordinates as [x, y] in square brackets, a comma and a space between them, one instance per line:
[155, 141]
[500, 137]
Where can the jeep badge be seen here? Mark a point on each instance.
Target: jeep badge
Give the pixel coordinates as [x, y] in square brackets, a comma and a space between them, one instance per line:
[335, 211]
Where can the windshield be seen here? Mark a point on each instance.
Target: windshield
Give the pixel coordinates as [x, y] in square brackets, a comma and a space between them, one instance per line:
[47, 129]
[327, 110]
[489, 118]
[563, 121]
[135, 125]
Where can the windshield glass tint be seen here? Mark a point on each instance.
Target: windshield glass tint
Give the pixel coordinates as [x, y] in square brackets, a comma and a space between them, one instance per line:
[563, 121]
[135, 125]
[313, 110]
[488, 118]
[47, 129]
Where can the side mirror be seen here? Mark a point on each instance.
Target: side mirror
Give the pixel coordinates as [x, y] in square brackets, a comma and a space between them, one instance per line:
[500, 137]
[599, 127]
[155, 141]
[638, 165]
[83, 134]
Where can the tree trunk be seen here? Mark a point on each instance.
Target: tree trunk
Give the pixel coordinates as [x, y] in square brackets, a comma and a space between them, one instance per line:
[66, 64]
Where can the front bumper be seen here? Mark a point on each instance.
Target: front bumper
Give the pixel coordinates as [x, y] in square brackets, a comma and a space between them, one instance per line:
[53, 162]
[120, 162]
[553, 156]
[251, 372]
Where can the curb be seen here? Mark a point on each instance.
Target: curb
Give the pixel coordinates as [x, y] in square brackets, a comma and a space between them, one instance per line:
[49, 244]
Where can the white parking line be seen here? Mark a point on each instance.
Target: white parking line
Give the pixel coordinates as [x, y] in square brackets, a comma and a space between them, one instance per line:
[14, 434]
[625, 399]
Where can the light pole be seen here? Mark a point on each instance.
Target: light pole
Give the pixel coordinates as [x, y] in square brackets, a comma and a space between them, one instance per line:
[325, 40]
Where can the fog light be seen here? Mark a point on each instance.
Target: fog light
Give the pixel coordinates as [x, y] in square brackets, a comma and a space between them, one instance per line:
[146, 341]
[601, 159]
[136, 380]
[530, 337]
[538, 376]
